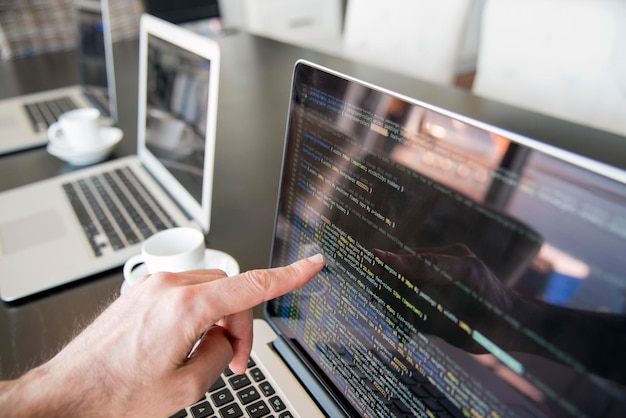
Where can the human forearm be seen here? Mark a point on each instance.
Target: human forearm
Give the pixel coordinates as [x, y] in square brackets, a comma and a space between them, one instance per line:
[38, 393]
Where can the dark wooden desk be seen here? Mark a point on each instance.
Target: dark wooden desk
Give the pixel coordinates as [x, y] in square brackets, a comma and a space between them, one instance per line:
[254, 91]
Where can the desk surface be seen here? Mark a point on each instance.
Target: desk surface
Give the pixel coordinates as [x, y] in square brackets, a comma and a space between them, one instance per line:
[254, 91]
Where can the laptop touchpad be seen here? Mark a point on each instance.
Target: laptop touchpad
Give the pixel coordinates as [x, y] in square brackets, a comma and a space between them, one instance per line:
[30, 231]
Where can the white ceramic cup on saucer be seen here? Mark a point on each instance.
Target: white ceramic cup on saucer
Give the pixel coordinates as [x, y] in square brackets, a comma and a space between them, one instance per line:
[173, 250]
[78, 129]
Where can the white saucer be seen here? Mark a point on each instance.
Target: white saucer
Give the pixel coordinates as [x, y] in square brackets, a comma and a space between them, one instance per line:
[214, 259]
[109, 135]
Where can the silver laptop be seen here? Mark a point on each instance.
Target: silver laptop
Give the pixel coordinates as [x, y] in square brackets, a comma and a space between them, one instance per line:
[62, 229]
[471, 272]
[26, 118]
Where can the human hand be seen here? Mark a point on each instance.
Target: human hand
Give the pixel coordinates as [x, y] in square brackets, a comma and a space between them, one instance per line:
[458, 281]
[134, 359]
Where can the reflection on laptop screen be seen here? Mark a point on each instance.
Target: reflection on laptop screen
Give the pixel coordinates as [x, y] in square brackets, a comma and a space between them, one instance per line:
[467, 274]
[178, 83]
[92, 63]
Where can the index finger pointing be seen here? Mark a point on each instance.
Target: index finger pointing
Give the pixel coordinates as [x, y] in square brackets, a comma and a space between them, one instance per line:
[246, 290]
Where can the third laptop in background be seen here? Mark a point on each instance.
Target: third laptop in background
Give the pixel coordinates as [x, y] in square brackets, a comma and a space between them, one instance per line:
[26, 118]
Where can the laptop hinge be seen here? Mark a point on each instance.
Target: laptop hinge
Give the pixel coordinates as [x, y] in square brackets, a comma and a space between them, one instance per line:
[327, 403]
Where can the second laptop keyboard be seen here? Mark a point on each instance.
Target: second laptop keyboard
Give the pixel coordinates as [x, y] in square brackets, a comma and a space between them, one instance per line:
[116, 210]
[44, 113]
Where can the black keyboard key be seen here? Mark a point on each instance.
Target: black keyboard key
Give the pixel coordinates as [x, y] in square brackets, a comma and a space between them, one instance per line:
[201, 410]
[258, 409]
[266, 388]
[239, 381]
[257, 375]
[222, 397]
[231, 411]
[277, 404]
[248, 395]
[285, 414]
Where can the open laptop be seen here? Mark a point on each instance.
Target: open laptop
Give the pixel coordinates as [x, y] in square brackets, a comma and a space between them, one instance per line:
[26, 118]
[61, 229]
[470, 272]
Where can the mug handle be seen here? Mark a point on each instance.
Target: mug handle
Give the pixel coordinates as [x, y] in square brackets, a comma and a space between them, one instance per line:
[129, 265]
[54, 132]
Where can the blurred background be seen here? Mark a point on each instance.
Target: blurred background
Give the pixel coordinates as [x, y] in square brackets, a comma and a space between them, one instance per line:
[563, 58]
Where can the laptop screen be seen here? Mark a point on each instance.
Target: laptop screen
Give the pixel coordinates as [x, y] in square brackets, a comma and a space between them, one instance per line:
[95, 56]
[176, 112]
[469, 271]
[183, 11]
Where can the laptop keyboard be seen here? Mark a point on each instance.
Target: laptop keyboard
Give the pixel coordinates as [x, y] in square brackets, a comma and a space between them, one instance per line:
[115, 210]
[251, 395]
[45, 113]
[244, 395]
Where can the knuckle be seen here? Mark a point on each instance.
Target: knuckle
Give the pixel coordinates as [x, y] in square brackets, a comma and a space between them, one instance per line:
[258, 281]
[164, 277]
[186, 295]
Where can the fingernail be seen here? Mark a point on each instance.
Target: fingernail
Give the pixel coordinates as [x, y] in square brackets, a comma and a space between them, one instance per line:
[316, 259]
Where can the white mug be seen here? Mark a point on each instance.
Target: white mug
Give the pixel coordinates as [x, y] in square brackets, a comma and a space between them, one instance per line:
[78, 129]
[173, 250]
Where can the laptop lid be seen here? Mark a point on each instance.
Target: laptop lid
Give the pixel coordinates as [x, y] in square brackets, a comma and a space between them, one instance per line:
[183, 11]
[470, 271]
[178, 90]
[94, 55]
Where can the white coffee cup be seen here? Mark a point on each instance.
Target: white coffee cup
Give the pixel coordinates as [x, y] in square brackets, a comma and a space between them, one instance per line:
[78, 129]
[173, 250]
